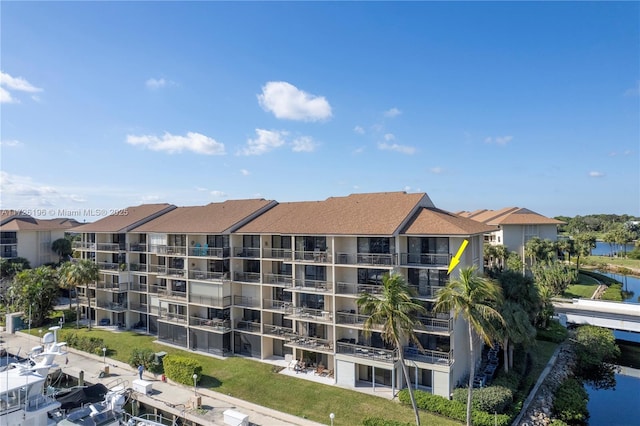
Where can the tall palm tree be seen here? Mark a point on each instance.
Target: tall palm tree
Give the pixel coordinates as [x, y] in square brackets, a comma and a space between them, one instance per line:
[395, 314]
[474, 298]
[517, 330]
[81, 273]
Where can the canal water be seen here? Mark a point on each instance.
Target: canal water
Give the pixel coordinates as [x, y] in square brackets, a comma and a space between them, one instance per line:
[606, 249]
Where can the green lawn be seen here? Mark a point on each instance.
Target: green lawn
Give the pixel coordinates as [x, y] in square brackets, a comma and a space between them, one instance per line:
[596, 260]
[585, 288]
[253, 381]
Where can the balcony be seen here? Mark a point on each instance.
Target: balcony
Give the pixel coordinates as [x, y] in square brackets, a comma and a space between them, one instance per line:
[109, 247]
[436, 325]
[370, 259]
[165, 293]
[214, 302]
[115, 287]
[367, 352]
[278, 305]
[310, 343]
[252, 252]
[424, 259]
[310, 286]
[172, 317]
[138, 267]
[9, 241]
[278, 280]
[112, 306]
[82, 300]
[108, 266]
[428, 356]
[247, 277]
[426, 291]
[211, 324]
[9, 252]
[139, 247]
[168, 250]
[309, 314]
[208, 276]
[139, 307]
[250, 326]
[246, 302]
[217, 252]
[350, 318]
[315, 256]
[83, 245]
[139, 287]
[358, 289]
[278, 253]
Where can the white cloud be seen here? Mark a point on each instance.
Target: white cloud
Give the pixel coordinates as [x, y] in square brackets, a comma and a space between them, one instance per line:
[595, 174]
[286, 101]
[145, 199]
[14, 83]
[304, 144]
[195, 142]
[218, 194]
[245, 172]
[10, 143]
[201, 189]
[265, 141]
[393, 112]
[389, 137]
[499, 140]
[397, 148]
[155, 83]
[359, 130]
[436, 170]
[23, 186]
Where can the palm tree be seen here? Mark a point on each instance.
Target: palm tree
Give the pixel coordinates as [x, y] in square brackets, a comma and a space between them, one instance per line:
[395, 314]
[474, 298]
[502, 253]
[81, 273]
[517, 330]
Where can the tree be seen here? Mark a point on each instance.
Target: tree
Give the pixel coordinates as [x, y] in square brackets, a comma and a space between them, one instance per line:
[554, 275]
[395, 313]
[595, 345]
[10, 267]
[517, 330]
[81, 273]
[474, 298]
[583, 244]
[62, 247]
[565, 246]
[35, 291]
[514, 262]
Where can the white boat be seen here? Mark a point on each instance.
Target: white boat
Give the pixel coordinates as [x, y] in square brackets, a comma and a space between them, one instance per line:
[22, 384]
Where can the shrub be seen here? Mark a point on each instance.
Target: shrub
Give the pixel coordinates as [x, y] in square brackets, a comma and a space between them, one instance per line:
[91, 345]
[180, 369]
[491, 399]
[377, 421]
[570, 402]
[146, 358]
[510, 380]
[554, 332]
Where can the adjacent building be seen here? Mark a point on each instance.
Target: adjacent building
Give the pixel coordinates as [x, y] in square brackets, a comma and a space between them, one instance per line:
[22, 235]
[273, 280]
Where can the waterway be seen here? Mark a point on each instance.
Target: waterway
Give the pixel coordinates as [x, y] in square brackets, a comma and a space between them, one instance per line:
[605, 249]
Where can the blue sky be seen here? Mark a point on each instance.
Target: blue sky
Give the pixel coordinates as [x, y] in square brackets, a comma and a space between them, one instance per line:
[481, 105]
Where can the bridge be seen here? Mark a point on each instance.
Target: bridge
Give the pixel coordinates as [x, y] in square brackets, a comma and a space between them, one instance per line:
[613, 315]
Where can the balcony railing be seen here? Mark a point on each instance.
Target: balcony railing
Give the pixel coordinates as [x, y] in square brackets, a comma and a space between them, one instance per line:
[83, 300]
[278, 305]
[278, 279]
[112, 306]
[278, 330]
[430, 291]
[253, 327]
[11, 252]
[168, 250]
[315, 256]
[310, 285]
[140, 247]
[172, 294]
[313, 343]
[108, 266]
[138, 267]
[174, 272]
[8, 241]
[278, 253]
[247, 252]
[349, 318]
[375, 259]
[368, 352]
[139, 287]
[173, 317]
[421, 259]
[112, 286]
[247, 277]
[83, 245]
[218, 252]
[208, 276]
[214, 302]
[109, 247]
[435, 324]
[212, 324]
[139, 307]
[428, 356]
[311, 314]
[247, 302]
[356, 289]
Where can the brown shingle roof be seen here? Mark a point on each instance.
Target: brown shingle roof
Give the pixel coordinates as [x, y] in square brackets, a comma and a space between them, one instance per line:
[486, 216]
[522, 216]
[28, 223]
[212, 218]
[381, 213]
[135, 216]
[432, 221]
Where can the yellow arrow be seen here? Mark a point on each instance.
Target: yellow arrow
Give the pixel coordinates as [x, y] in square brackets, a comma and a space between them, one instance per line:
[456, 259]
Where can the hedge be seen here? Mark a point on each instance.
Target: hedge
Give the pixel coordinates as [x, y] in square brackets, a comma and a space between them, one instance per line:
[492, 399]
[180, 369]
[377, 421]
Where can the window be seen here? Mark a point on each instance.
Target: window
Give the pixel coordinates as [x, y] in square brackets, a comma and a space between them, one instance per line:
[377, 245]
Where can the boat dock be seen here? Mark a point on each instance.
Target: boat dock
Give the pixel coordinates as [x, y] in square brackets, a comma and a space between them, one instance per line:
[176, 399]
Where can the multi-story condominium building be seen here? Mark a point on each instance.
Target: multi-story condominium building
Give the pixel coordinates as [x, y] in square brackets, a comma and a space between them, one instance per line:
[24, 236]
[514, 226]
[275, 280]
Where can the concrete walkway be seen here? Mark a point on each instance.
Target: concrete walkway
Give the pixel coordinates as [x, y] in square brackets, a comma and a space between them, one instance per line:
[173, 398]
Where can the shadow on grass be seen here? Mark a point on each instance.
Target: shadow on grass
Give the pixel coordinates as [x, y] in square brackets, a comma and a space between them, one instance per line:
[209, 382]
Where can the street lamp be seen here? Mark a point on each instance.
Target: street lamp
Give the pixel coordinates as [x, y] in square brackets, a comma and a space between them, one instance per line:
[331, 417]
[195, 389]
[104, 356]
